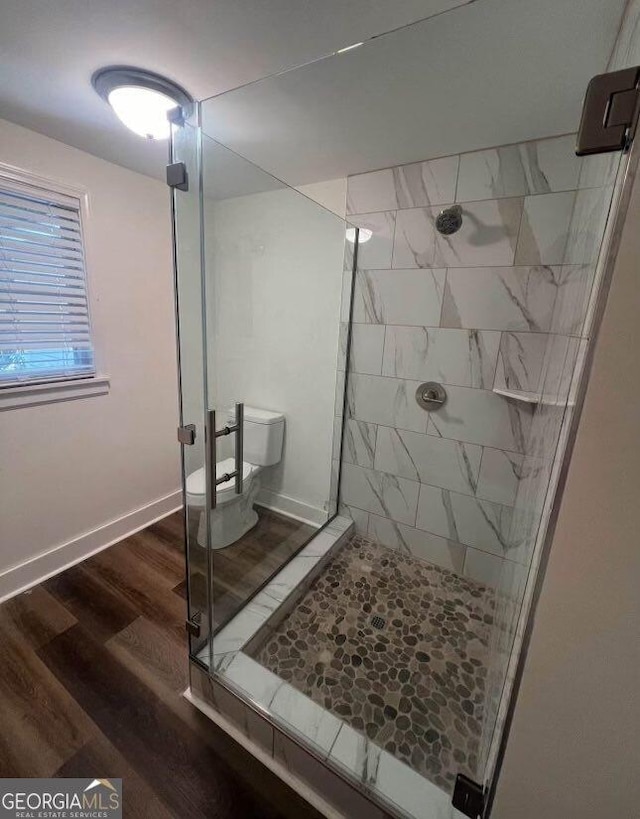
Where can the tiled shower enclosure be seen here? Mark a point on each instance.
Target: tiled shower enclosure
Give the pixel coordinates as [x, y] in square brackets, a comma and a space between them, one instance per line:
[376, 665]
[475, 311]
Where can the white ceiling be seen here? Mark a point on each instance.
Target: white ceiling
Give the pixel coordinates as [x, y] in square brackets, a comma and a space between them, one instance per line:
[490, 73]
[50, 48]
[487, 73]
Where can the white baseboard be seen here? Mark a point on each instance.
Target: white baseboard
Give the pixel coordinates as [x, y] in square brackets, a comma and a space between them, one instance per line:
[291, 507]
[22, 576]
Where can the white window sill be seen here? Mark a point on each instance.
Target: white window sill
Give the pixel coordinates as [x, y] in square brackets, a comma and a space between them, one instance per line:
[29, 395]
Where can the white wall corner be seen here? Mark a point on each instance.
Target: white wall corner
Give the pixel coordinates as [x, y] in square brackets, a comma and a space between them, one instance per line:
[22, 576]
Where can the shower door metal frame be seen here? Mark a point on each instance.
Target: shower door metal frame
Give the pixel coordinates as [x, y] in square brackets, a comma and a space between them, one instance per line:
[180, 177]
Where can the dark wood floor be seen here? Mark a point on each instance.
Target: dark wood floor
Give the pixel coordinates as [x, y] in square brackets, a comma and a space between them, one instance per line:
[241, 569]
[94, 662]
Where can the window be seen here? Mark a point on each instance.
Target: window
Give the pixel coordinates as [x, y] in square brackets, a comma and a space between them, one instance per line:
[45, 332]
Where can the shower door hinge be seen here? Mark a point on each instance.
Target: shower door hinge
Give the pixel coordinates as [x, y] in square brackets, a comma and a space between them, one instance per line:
[176, 116]
[193, 625]
[177, 176]
[187, 434]
[468, 797]
[610, 112]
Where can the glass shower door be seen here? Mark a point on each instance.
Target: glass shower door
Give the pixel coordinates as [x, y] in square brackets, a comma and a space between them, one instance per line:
[192, 380]
[259, 287]
[272, 284]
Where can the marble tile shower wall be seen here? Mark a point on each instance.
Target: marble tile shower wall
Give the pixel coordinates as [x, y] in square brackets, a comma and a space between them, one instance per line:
[489, 307]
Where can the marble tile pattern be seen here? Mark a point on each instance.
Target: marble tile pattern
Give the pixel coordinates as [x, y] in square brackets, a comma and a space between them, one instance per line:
[488, 236]
[380, 493]
[520, 360]
[408, 540]
[500, 475]
[464, 519]
[544, 229]
[574, 289]
[428, 459]
[359, 442]
[465, 358]
[587, 225]
[367, 345]
[401, 297]
[490, 307]
[407, 186]
[501, 298]
[546, 166]
[412, 687]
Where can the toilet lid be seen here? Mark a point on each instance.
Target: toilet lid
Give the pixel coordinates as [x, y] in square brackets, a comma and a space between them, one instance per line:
[196, 480]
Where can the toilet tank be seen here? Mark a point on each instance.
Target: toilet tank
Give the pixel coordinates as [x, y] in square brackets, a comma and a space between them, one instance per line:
[263, 435]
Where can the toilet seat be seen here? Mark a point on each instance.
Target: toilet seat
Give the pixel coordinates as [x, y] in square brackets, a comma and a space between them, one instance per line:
[196, 482]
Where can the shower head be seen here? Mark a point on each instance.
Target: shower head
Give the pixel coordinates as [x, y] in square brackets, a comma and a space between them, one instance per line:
[449, 220]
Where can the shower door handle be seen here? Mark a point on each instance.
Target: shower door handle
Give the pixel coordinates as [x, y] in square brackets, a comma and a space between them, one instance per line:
[211, 441]
[213, 434]
[239, 430]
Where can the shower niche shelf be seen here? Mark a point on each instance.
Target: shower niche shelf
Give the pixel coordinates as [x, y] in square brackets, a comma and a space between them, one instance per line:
[531, 398]
[519, 395]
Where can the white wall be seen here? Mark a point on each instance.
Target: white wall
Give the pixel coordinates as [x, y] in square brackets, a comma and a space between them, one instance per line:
[69, 468]
[574, 745]
[274, 271]
[331, 194]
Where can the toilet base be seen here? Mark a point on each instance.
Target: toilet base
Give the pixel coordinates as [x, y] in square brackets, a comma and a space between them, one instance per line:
[231, 520]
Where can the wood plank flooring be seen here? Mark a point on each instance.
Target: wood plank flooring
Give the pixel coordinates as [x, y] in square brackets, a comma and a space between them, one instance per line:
[241, 569]
[94, 662]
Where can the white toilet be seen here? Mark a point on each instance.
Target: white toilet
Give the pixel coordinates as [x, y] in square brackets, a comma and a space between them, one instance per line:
[234, 514]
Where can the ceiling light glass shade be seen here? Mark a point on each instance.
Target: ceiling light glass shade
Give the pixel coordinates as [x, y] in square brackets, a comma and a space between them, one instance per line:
[141, 99]
[142, 110]
[364, 235]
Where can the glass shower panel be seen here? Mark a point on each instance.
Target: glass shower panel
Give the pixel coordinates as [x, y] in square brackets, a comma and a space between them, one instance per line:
[272, 280]
[403, 646]
[586, 255]
[187, 228]
[588, 258]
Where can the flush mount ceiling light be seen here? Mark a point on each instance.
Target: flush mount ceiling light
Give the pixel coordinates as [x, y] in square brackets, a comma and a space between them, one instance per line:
[141, 99]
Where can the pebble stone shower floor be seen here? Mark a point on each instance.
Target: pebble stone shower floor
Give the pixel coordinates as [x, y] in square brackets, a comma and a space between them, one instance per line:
[414, 684]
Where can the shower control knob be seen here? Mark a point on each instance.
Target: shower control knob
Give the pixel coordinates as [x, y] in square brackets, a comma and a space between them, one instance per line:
[431, 395]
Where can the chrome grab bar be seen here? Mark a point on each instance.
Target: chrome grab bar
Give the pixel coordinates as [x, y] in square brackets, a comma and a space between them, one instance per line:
[213, 434]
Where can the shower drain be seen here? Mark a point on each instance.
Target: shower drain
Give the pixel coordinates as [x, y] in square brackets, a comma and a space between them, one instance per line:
[377, 621]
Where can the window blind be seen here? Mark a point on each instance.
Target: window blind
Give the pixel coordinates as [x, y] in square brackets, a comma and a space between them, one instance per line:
[45, 332]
